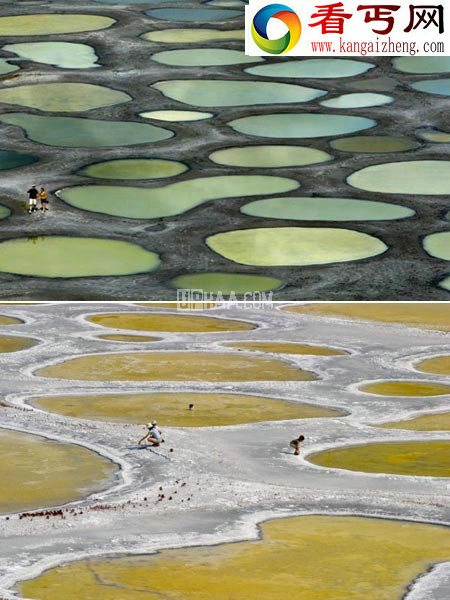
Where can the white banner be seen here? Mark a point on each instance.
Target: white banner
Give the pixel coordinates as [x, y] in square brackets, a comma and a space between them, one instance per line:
[347, 28]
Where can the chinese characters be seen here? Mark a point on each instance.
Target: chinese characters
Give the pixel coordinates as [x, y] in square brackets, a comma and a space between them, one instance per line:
[377, 12]
[426, 15]
[331, 17]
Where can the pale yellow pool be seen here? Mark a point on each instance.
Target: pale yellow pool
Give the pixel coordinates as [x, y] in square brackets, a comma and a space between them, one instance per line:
[294, 246]
[63, 97]
[46, 24]
[193, 35]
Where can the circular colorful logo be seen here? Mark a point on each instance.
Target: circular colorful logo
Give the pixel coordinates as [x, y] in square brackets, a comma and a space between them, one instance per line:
[284, 14]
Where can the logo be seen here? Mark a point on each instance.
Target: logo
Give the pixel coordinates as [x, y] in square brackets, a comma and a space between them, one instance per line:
[284, 14]
[189, 299]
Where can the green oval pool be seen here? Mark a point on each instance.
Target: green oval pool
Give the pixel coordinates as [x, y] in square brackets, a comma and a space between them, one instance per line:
[284, 246]
[193, 35]
[221, 92]
[269, 156]
[429, 459]
[422, 64]
[66, 55]
[203, 57]
[77, 132]
[63, 97]
[440, 87]
[74, 257]
[428, 177]
[226, 283]
[374, 144]
[47, 24]
[307, 557]
[176, 115]
[171, 199]
[438, 245]
[4, 212]
[193, 15]
[174, 306]
[13, 160]
[313, 68]
[325, 209]
[358, 100]
[445, 284]
[134, 168]
[5, 67]
[300, 125]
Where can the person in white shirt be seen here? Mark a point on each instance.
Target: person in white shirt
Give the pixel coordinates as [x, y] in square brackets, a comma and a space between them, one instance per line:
[153, 435]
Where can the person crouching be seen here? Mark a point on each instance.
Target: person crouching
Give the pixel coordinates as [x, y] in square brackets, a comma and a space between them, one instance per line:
[153, 435]
[296, 444]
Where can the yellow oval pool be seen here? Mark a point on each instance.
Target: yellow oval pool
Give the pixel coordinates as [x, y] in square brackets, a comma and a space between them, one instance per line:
[169, 323]
[175, 366]
[307, 558]
[172, 408]
[431, 459]
[36, 472]
[407, 388]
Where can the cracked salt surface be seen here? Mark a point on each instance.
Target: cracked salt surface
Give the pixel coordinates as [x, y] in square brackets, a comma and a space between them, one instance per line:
[234, 476]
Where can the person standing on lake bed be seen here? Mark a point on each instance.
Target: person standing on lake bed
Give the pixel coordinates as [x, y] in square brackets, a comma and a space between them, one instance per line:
[44, 199]
[33, 195]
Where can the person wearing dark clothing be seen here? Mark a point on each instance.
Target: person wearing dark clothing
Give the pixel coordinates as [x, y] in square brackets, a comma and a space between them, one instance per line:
[33, 195]
[296, 444]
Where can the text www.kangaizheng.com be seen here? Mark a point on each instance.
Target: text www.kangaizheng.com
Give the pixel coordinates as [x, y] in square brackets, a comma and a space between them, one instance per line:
[378, 47]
